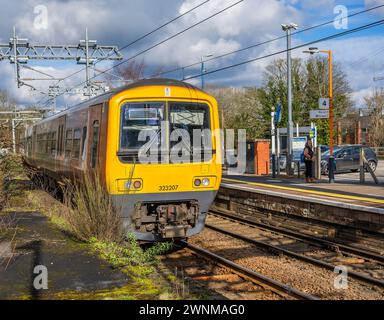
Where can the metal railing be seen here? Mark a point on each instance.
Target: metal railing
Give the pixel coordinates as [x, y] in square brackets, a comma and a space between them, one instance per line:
[379, 152]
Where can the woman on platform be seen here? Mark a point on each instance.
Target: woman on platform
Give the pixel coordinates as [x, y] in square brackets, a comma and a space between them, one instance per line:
[308, 160]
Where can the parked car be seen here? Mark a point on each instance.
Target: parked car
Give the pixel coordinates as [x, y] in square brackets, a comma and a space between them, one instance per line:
[4, 152]
[347, 158]
[296, 159]
[324, 148]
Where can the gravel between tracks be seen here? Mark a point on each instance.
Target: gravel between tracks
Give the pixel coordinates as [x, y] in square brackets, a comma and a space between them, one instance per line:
[300, 275]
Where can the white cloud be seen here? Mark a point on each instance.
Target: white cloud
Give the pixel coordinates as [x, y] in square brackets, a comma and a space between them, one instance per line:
[374, 3]
[116, 22]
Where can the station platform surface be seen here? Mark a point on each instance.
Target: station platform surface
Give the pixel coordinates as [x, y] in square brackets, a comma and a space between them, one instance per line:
[344, 192]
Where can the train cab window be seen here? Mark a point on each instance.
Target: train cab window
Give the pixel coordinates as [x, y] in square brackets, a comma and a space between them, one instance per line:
[185, 119]
[95, 143]
[76, 144]
[139, 117]
[68, 143]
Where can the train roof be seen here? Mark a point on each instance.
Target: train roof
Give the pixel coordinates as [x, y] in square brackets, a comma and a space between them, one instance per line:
[106, 96]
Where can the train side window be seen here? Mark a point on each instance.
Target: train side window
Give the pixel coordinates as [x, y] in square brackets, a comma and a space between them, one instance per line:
[59, 134]
[53, 144]
[38, 143]
[45, 143]
[83, 140]
[29, 146]
[61, 141]
[76, 143]
[95, 143]
[68, 143]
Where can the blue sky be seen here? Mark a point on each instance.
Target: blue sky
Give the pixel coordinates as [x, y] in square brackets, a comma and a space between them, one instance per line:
[116, 22]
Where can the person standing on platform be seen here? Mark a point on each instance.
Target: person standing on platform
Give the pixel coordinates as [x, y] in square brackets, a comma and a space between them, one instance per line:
[308, 160]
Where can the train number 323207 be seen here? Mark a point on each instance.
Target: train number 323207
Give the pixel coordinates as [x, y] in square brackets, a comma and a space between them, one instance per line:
[169, 187]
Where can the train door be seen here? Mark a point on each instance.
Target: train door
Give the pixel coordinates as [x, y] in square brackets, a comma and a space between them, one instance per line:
[60, 143]
[94, 125]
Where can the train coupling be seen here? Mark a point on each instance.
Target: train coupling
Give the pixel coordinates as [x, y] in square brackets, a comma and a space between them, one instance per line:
[170, 220]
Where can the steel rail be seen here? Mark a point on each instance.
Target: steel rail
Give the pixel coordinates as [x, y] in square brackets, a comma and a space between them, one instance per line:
[278, 250]
[328, 244]
[258, 278]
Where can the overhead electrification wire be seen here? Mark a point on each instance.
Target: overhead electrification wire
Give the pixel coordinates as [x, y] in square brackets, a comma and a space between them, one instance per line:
[161, 42]
[266, 42]
[366, 57]
[334, 36]
[146, 35]
[255, 59]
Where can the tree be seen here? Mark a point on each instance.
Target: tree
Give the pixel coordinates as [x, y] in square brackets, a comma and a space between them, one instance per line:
[6, 101]
[375, 103]
[240, 108]
[309, 83]
[132, 70]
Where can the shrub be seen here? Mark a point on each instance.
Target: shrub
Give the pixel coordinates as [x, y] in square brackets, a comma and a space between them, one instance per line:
[92, 213]
[10, 167]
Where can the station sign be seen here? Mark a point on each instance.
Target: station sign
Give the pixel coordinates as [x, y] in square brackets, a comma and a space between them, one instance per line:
[319, 114]
[324, 103]
[312, 133]
[278, 114]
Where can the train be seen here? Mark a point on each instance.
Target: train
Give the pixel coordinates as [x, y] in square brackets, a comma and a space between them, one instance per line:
[139, 139]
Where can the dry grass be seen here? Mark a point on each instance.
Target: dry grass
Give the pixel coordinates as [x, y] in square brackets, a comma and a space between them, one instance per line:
[10, 168]
[92, 213]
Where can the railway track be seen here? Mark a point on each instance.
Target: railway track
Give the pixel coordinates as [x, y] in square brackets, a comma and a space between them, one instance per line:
[257, 278]
[342, 234]
[280, 241]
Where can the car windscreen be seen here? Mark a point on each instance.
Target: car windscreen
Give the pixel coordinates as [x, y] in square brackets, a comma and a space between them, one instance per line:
[335, 150]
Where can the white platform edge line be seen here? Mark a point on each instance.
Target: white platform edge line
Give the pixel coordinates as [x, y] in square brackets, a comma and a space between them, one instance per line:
[308, 199]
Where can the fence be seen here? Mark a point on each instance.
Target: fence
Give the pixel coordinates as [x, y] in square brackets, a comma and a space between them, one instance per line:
[379, 152]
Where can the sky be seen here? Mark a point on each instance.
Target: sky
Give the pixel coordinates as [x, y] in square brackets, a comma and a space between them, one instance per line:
[119, 22]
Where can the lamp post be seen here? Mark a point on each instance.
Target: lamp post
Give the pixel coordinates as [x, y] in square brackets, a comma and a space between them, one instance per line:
[203, 69]
[287, 28]
[331, 162]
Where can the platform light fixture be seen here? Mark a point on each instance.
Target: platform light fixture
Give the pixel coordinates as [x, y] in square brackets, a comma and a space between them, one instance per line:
[203, 68]
[287, 28]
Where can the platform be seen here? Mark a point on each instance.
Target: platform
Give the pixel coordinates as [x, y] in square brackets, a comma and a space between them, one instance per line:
[347, 193]
[344, 202]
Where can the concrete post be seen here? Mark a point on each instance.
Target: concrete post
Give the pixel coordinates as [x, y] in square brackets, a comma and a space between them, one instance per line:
[318, 163]
[362, 170]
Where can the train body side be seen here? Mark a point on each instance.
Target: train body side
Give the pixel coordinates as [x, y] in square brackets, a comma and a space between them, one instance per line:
[167, 204]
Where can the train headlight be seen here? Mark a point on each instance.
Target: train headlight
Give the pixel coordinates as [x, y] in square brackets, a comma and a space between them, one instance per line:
[137, 184]
[197, 182]
[205, 182]
[128, 185]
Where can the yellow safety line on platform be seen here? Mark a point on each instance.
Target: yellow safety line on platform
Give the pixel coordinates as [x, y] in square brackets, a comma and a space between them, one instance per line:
[329, 194]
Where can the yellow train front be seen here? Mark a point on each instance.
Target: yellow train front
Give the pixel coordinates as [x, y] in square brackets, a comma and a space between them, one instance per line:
[147, 142]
